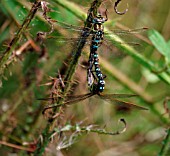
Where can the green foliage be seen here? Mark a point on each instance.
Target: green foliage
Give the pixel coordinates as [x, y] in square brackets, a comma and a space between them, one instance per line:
[10, 85]
[160, 44]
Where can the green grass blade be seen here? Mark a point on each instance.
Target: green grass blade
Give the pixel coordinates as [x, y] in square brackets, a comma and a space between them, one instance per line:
[160, 44]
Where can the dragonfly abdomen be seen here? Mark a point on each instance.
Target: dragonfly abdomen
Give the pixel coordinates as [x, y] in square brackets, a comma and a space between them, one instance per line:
[99, 75]
[97, 39]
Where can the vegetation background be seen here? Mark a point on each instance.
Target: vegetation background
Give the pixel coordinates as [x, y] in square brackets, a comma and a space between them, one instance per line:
[32, 62]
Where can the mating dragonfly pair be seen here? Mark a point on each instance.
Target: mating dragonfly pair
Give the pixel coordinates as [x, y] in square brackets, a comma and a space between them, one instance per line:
[95, 78]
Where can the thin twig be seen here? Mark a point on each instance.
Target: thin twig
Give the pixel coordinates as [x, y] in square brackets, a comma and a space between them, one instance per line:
[17, 146]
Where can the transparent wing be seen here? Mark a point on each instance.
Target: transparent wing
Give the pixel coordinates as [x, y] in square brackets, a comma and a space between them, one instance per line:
[121, 103]
[106, 42]
[108, 96]
[71, 98]
[115, 31]
[70, 27]
[126, 32]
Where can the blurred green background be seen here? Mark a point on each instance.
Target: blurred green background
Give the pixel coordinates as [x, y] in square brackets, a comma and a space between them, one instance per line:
[21, 119]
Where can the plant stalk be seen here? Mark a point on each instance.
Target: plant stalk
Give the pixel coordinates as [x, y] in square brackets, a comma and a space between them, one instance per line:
[16, 39]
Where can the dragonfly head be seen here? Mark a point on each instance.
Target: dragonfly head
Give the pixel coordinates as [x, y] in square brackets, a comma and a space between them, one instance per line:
[95, 88]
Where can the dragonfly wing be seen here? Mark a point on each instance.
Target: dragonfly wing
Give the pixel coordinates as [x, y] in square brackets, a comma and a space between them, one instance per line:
[115, 31]
[133, 37]
[108, 96]
[78, 99]
[126, 32]
[69, 26]
[71, 98]
[124, 103]
[128, 40]
[70, 40]
[73, 27]
[118, 32]
[109, 45]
